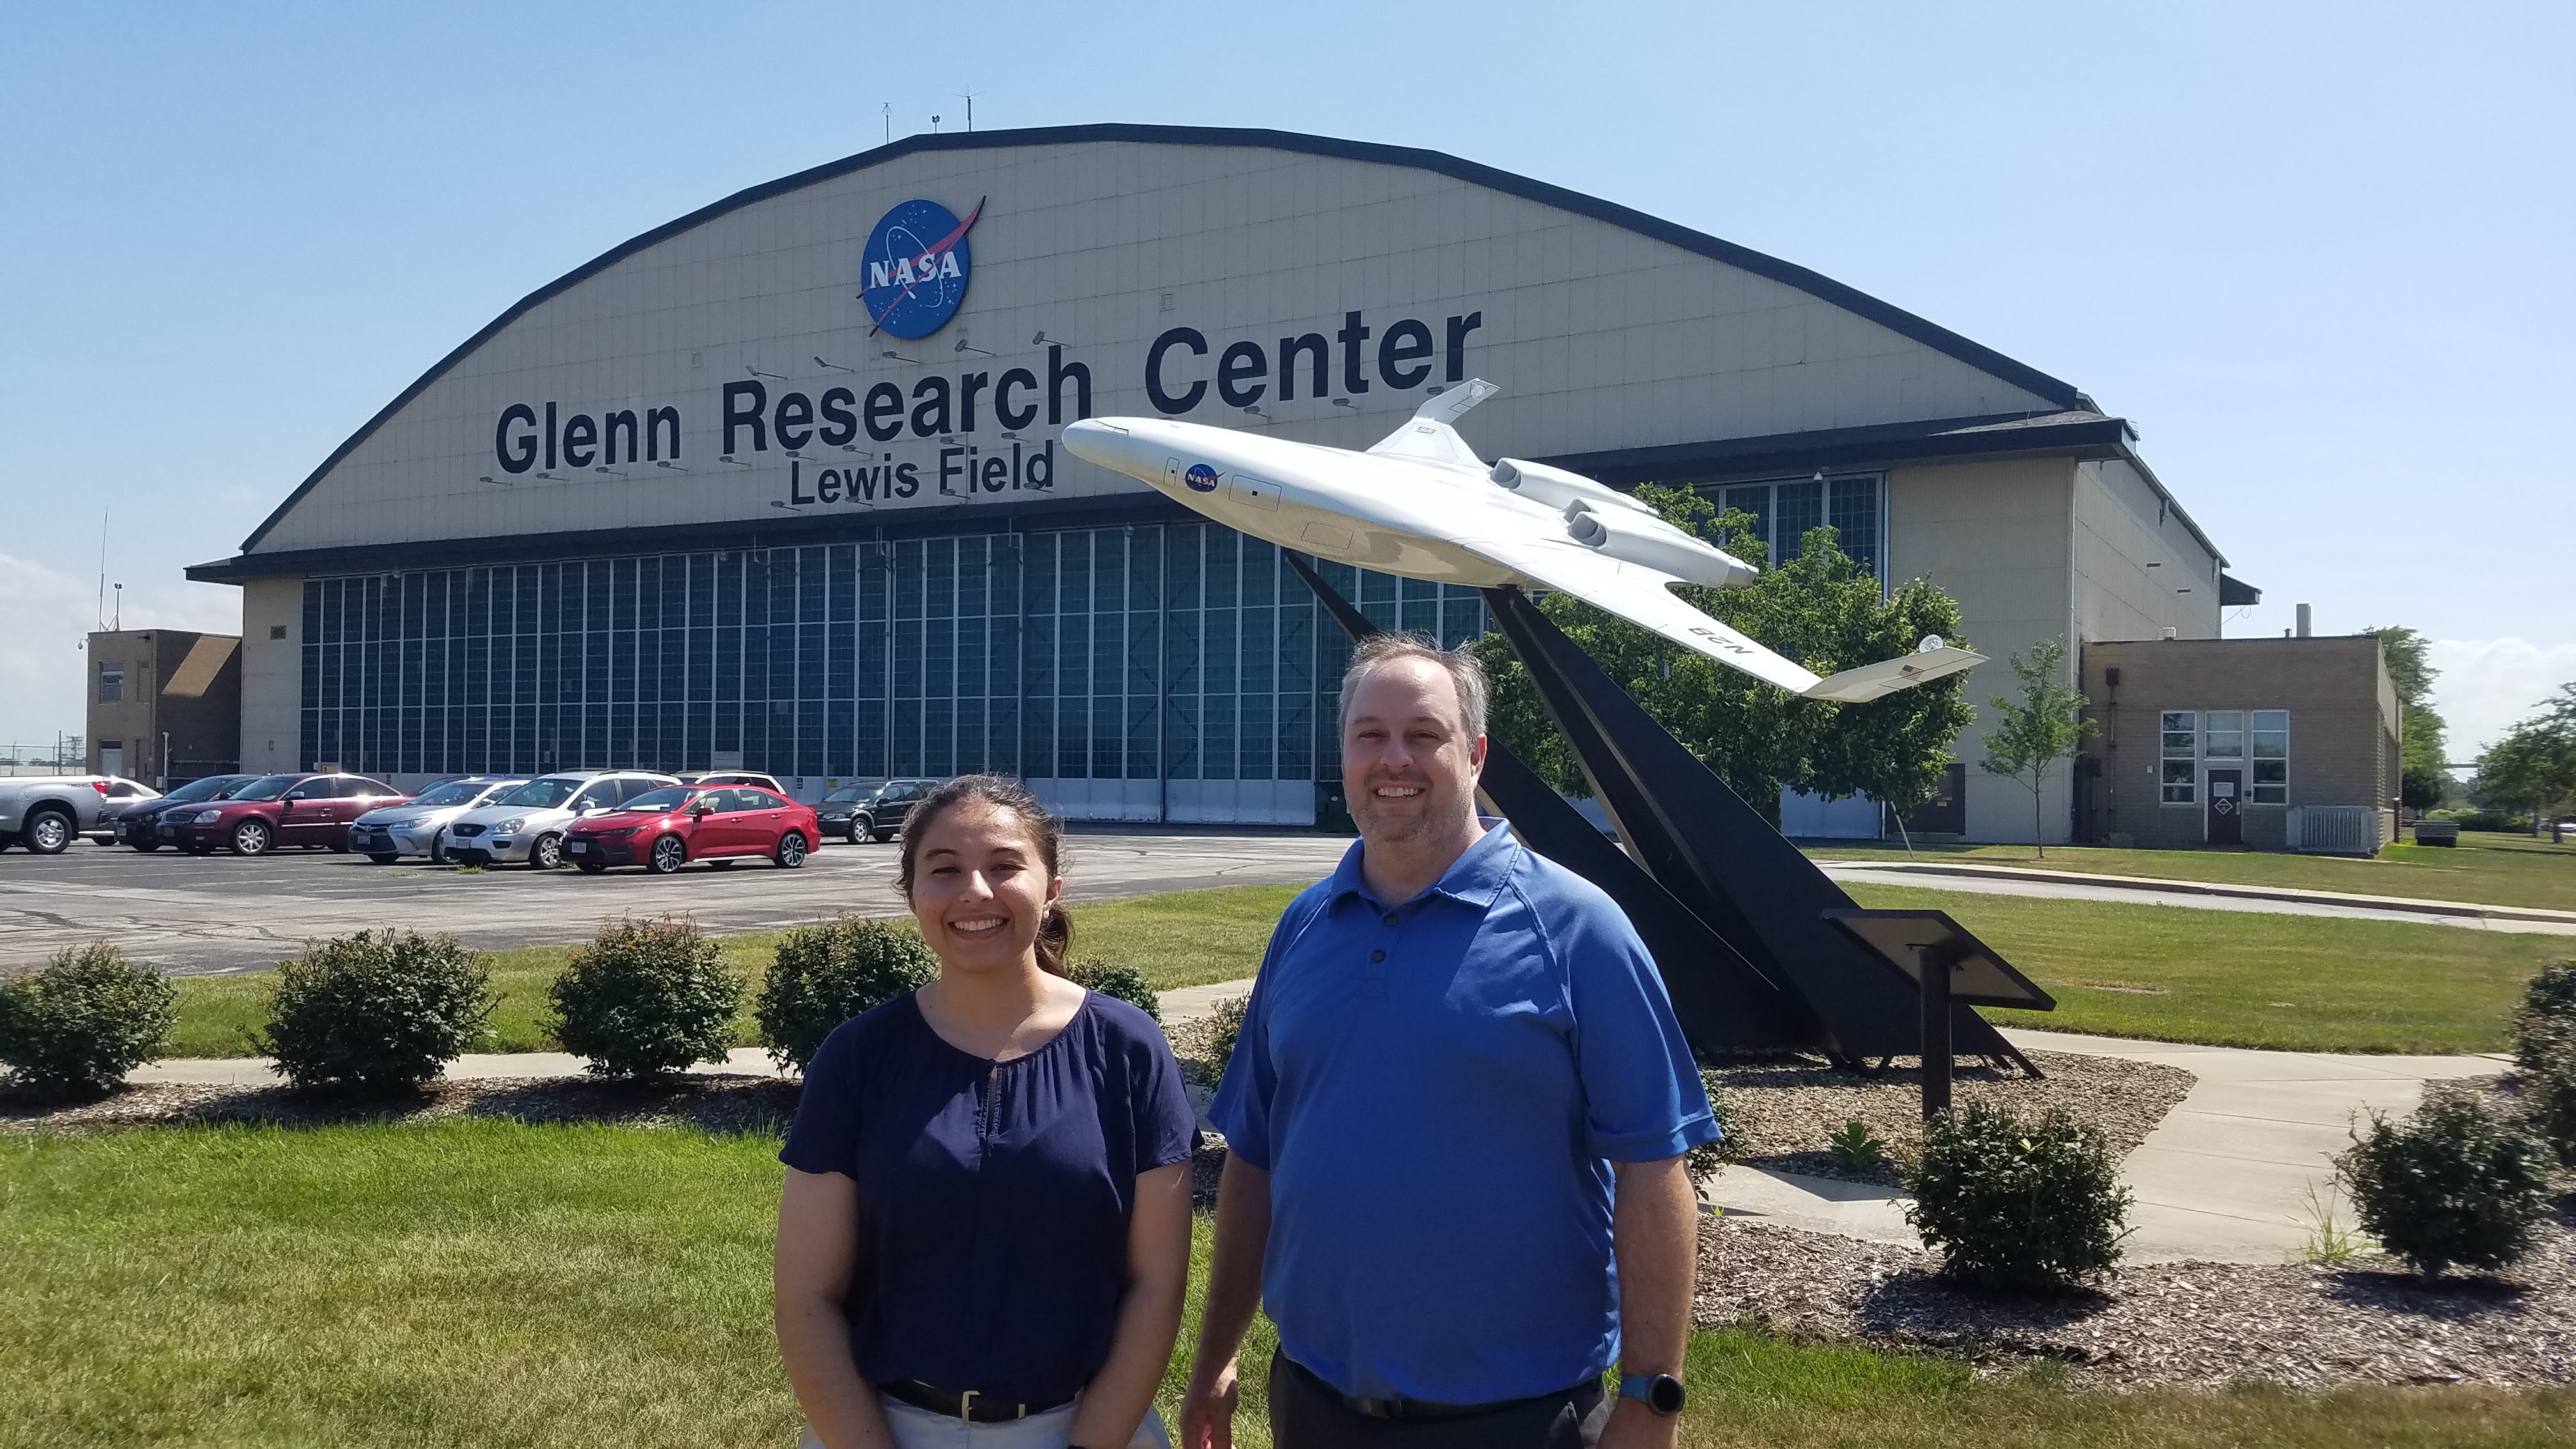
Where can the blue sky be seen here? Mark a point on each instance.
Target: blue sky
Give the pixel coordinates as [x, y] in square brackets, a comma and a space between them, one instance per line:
[2317, 253]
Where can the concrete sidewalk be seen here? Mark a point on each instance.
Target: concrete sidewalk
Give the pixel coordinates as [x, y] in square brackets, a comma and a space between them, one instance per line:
[2206, 895]
[2232, 1175]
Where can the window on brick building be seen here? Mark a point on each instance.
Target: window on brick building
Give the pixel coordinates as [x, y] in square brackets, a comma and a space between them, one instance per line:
[2179, 757]
[111, 683]
[2271, 781]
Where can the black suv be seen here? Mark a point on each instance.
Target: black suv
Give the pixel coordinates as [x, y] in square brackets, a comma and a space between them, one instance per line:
[874, 809]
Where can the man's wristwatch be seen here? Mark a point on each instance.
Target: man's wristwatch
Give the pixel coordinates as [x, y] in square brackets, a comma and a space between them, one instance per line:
[1660, 1392]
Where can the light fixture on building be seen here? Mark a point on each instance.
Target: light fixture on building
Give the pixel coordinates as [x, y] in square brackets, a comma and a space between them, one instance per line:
[496, 482]
[832, 366]
[1256, 412]
[1010, 434]
[611, 472]
[667, 463]
[793, 452]
[1343, 402]
[551, 477]
[862, 453]
[790, 507]
[1041, 340]
[893, 356]
[730, 458]
[965, 346]
[772, 376]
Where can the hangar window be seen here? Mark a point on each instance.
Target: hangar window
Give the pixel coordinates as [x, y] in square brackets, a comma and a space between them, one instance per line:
[1783, 511]
[2179, 757]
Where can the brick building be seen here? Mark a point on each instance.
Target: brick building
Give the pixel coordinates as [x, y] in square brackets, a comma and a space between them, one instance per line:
[164, 704]
[2269, 743]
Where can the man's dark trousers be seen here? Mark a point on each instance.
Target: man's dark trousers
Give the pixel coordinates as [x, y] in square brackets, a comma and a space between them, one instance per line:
[1308, 1413]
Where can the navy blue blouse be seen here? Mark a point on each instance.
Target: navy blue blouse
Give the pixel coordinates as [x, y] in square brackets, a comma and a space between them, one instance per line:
[993, 1196]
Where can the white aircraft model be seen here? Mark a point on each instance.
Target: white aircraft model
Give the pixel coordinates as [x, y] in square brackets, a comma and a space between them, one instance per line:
[1423, 505]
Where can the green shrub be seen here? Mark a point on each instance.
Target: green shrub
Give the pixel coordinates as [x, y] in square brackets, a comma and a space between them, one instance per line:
[80, 1024]
[1856, 1149]
[831, 971]
[2550, 1096]
[2544, 1026]
[1702, 1162]
[2453, 1185]
[2015, 1206]
[1123, 982]
[644, 998]
[379, 1010]
[1229, 1027]
[2483, 820]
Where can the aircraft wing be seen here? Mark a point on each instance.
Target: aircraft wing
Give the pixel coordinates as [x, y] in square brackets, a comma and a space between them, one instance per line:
[1644, 596]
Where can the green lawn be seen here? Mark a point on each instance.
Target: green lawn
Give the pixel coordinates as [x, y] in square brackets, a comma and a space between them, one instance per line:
[496, 1284]
[2241, 978]
[2485, 868]
[1188, 938]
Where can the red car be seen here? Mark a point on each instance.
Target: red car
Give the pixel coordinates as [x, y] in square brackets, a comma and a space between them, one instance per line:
[662, 830]
[301, 809]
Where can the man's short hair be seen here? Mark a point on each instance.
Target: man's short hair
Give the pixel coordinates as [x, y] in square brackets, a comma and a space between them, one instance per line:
[1464, 672]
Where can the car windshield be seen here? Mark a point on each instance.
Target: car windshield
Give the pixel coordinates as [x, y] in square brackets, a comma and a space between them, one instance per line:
[270, 787]
[543, 794]
[213, 787]
[669, 797]
[854, 792]
[451, 792]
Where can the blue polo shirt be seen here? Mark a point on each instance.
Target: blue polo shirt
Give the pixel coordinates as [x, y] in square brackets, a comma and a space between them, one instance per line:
[1438, 1088]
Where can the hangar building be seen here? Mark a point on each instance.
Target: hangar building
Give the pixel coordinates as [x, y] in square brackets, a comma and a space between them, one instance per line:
[779, 484]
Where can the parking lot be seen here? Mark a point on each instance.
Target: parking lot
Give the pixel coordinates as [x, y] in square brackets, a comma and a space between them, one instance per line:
[207, 915]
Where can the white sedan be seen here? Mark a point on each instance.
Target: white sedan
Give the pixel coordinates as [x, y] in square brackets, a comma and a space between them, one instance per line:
[527, 824]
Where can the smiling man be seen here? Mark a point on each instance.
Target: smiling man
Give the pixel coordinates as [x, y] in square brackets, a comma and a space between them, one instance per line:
[1457, 1112]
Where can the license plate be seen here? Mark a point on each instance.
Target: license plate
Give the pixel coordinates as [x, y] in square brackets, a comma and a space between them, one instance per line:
[578, 847]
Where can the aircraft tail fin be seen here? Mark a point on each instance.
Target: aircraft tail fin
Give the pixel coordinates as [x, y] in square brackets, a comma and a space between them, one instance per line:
[1431, 432]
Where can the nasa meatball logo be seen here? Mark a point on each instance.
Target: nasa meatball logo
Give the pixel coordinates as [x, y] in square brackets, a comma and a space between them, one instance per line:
[917, 265]
[1201, 478]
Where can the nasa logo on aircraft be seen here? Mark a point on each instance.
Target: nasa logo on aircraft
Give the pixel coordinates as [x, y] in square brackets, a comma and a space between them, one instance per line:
[916, 267]
[1201, 478]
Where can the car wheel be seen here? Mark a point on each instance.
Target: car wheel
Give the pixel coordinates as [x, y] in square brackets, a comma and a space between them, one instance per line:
[669, 854]
[383, 859]
[47, 832]
[854, 834]
[253, 837]
[438, 848]
[547, 853]
[880, 836]
[592, 867]
[791, 850]
[147, 846]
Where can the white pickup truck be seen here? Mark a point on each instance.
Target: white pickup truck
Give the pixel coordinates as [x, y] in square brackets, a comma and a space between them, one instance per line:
[45, 812]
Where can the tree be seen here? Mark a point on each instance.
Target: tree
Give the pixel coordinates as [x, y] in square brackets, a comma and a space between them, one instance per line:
[2534, 766]
[2042, 728]
[1822, 608]
[2411, 674]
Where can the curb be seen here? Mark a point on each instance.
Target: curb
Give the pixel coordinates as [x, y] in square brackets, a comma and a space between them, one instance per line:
[2158, 884]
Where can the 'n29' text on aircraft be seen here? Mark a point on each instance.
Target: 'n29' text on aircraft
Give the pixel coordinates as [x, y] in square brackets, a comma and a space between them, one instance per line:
[1423, 505]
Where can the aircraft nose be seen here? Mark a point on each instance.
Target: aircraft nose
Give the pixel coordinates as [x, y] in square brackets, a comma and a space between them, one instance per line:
[1095, 440]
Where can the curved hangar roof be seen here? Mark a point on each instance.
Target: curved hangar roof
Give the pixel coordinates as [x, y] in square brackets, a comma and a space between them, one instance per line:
[1331, 282]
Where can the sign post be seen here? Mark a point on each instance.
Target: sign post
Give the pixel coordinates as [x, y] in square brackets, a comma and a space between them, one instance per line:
[1949, 970]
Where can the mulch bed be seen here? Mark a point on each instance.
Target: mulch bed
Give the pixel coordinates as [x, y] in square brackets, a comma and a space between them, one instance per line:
[2191, 1324]
[1786, 1108]
[714, 1103]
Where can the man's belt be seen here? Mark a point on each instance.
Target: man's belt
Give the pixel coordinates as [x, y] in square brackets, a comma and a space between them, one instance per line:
[968, 1405]
[1421, 1408]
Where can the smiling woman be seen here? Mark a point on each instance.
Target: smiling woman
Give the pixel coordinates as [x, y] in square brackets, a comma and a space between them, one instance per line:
[943, 1136]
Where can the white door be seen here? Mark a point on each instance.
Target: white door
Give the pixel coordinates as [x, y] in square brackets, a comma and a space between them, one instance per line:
[111, 759]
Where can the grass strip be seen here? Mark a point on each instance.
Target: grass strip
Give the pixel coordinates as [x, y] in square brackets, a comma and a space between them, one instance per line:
[500, 1284]
[2243, 978]
[1184, 938]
